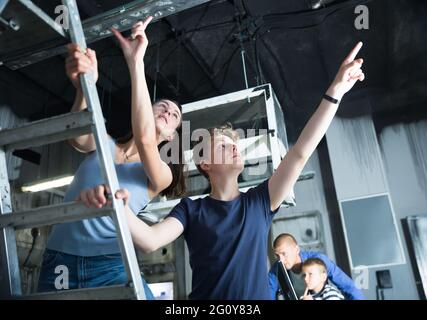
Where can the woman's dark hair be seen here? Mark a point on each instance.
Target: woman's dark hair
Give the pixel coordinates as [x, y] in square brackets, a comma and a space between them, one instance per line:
[177, 187]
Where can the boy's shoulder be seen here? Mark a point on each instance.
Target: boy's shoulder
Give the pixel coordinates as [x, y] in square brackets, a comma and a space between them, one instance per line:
[197, 201]
[257, 189]
[192, 202]
[329, 292]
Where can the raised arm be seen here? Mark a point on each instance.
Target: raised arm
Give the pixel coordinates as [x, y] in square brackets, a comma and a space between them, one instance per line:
[284, 178]
[146, 238]
[78, 63]
[143, 123]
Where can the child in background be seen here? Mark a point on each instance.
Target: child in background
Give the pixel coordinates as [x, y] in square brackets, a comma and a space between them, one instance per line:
[316, 280]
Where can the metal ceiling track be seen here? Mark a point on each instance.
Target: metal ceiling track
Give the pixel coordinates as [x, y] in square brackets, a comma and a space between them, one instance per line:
[19, 18]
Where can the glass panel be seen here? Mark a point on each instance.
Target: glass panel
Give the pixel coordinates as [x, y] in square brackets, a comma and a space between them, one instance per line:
[371, 233]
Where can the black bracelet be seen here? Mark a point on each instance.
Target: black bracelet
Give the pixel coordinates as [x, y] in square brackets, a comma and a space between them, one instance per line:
[330, 99]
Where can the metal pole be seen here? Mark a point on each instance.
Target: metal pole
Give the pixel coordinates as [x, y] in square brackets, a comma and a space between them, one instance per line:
[106, 160]
[242, 54]
[10, 279]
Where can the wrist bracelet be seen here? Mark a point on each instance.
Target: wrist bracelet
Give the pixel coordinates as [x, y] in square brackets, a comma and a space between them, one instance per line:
[330, 99]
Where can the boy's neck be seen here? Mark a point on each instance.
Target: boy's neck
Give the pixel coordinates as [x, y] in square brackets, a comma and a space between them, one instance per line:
[224, 188]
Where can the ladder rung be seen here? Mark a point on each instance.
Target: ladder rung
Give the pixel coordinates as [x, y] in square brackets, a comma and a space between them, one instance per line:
[47, 215]
[47, 131]
[101, 293]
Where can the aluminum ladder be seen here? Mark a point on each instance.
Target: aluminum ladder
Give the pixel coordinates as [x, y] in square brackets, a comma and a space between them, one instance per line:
[48, 131]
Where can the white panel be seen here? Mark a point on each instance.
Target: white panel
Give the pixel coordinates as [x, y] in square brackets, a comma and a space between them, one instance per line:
[355, 158]
[405, 161]
[371, 221]
[404, 148]
[358, 173]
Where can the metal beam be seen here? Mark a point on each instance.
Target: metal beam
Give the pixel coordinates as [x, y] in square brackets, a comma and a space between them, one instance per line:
[106, 161]
[47, 131]
[48, 215]
[115, 292]
[10, 279]
[98, 27]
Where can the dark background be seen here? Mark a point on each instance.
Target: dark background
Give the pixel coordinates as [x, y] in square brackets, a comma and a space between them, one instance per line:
[288, 43]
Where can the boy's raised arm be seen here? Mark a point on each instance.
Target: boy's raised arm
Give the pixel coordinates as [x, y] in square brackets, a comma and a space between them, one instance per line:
[284, 178]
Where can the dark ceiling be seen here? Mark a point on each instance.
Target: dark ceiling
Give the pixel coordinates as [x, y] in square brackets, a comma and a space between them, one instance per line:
[288, 43]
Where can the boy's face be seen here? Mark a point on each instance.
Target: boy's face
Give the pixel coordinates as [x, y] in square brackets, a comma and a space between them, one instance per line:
[224, 156]
[314, 277]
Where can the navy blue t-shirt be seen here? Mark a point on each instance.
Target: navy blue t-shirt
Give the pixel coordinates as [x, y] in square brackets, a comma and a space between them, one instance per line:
[227, 242]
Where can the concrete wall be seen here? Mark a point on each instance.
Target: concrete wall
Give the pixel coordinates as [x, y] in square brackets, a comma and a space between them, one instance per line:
[362, 168]
[404, 152]
[310, 197]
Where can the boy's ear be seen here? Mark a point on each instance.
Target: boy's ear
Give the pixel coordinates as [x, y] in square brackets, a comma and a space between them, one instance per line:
[324, 276]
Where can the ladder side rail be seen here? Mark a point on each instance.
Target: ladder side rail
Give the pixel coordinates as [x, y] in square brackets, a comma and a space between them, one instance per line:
[10, 278]
[105, 158]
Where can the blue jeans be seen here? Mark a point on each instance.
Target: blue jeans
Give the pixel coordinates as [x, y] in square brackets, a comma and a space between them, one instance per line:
[83, 272]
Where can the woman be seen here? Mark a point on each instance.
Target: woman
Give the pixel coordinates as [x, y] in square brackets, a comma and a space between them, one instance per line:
[89, 248]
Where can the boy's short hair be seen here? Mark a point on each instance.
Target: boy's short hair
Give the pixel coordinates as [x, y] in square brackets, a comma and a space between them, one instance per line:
[315, 262]
[226, 130]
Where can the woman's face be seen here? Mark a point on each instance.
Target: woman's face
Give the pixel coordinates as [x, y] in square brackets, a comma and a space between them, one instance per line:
[168, 118]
